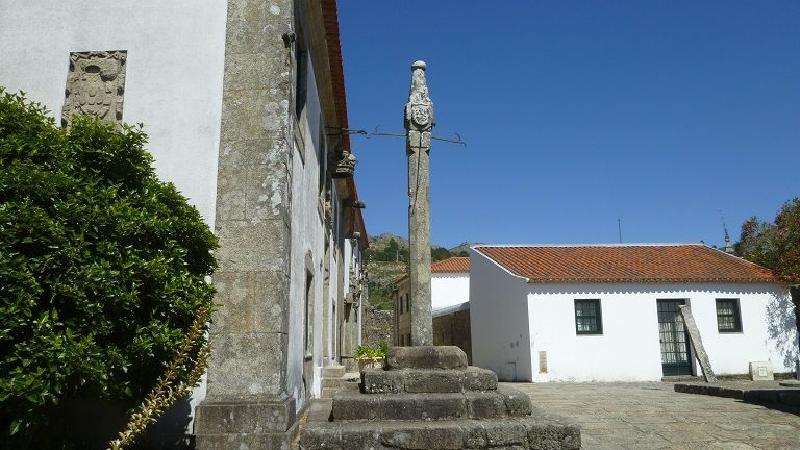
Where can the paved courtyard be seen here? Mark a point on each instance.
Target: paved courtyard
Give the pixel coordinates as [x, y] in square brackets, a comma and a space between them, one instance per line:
[652, 416]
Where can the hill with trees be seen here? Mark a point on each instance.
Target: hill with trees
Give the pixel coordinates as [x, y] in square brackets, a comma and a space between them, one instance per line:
[387, 260]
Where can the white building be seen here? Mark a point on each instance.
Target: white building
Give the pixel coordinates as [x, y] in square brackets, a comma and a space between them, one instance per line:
[244, 104]
[609, 312]
[449, 292]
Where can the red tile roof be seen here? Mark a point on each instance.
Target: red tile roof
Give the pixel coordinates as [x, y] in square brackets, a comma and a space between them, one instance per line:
[330, 16]
[453, 264]
[625, 263]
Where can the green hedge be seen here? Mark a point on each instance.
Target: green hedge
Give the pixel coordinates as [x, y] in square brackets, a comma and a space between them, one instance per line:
[102, 267]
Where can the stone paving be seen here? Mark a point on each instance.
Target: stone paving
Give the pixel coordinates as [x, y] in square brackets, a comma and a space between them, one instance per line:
[652, 416]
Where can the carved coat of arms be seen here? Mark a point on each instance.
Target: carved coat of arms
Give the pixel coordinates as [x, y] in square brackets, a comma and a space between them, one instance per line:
[95, 85]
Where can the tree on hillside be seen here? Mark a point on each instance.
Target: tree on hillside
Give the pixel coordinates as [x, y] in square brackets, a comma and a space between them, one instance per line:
[776, 246]
[392, 251]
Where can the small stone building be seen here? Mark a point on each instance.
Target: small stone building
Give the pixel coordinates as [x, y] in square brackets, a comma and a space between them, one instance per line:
[449, 305]
[244, 103]
[610, 312]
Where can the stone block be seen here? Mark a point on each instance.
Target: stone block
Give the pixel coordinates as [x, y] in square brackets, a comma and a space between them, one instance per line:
[761, 371]
[504, 433]
[378, 381]
[364, 436]
[439, 407]
[244, 153]
[219, 417]
[248, 247]
[540, 432]
[549, 435]
[442, 381]
[249, 71]
[232, 441]
[331, 382]
[258, 26]
[253, 181]
[333, 372]
[485, 405]
[256, 114]
[426, 357]
[355, 407]
[517, 403]
[333, 436]
[350, 405]
[473, 433]
[230, 193]
[245, 366]
[250, 302]
[398, 408]
[476, 379]
[267, 190]
[319, 435]
[433, 435]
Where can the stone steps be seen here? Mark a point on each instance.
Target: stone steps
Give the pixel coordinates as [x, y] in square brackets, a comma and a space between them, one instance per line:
[333, 378]
[328, 392]
[427, 398]
[349, 404]
[333, 372]
[532, 432]
[332, 382]
[414, 381]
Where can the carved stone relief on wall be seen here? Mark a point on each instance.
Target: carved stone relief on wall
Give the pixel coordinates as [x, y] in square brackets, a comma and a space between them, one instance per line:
[95, 85]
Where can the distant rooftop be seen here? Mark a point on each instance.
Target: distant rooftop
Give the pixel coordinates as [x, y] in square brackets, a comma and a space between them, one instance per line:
[453, 264]
[603, 263]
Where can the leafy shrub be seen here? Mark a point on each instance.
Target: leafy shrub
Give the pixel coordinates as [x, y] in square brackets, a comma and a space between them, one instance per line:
[102, 268]
[366, 351]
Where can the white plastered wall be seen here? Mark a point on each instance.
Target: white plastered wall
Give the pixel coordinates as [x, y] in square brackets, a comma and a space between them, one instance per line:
[173, 79]
[499, 320]
[173, 82]
[307, 239]
[628, 349]
[448, 289]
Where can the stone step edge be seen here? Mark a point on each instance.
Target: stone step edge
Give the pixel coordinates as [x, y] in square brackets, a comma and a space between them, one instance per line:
[536, 432]
[377, 381]
[426, 357]
[505, 402]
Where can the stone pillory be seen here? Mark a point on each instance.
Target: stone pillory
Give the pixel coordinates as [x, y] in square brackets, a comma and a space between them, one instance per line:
[427, 397]
[418, 124]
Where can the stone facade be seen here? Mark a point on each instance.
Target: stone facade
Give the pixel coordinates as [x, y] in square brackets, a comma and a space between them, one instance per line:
[377, 326]
[243, 108]
[289, 282]
[453, 328]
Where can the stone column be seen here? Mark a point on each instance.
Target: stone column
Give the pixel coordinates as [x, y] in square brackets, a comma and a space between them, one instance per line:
[247, 403]
[418, 124]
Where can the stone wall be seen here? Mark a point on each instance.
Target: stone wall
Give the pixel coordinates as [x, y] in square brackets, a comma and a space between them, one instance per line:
[454, 329]
[377, 326]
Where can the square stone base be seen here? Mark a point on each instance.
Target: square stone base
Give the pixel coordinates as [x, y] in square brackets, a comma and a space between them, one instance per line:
[244, 424]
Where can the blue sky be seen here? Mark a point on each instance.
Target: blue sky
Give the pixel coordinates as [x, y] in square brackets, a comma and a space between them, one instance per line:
[576, 113]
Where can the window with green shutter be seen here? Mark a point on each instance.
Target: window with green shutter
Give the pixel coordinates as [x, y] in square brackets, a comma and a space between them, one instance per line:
[729, 319]
[588, 319]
